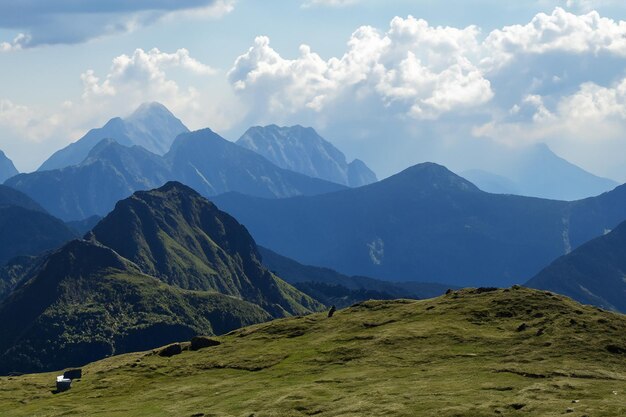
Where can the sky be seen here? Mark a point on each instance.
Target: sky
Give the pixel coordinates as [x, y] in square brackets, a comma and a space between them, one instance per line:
[393, 83]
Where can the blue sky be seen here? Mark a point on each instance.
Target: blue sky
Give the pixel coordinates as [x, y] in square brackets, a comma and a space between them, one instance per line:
[393, 83]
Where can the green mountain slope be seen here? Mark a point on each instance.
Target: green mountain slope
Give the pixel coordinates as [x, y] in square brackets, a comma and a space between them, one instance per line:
[189, 269]
[175, 234]
[595, 273]
[463, 354]
[86, 302]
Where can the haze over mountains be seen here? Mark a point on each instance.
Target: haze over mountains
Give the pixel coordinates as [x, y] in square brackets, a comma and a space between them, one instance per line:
[427, 224]
[538, 172]
[165, 265]
[152, 126]
[302, 150]
[594, 273]
[202, 159]
[424, 224]
[25, 228]
[7, 169]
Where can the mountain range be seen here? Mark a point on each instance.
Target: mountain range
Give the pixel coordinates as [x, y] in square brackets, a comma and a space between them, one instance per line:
[7, 169]
[25, 228]
[152, 126]
[426, 224]
[202, 159]
[333, 288]
[594, 273]
[536, 171]
[164, 265]
[303, 150]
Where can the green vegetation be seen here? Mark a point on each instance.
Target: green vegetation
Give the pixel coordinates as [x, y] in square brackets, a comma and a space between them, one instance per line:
[516, 352]
[165, 265]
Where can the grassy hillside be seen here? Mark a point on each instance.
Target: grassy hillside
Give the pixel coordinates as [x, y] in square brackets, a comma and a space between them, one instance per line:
[516, 352]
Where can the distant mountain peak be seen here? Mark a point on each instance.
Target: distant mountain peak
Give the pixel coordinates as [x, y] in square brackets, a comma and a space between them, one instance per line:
[151, 126]
[302, 149]
[149, 110]
[429, 175]
[7, 169]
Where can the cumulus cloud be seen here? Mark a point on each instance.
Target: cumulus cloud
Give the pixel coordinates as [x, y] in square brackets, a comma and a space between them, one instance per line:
[68, 21]
[556, 79]
[560, 31]
[424, 70]
[142, 76]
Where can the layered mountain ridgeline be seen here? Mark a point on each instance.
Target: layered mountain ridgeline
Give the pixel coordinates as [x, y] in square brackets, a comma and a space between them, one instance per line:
[25, 228]
[594, 273]
[7, 169]
[12, 197]
[163, 266]
[201, 159]
[151, 126]
[537, 171]
[212, 165]
[110, 173]
[333, 288]
[427, 224]
[302, 150]
[507, 352]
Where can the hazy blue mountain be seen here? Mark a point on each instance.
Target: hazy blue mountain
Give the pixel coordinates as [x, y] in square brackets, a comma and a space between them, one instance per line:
[12, 197]
[151, 126]
[7, 169]
[213, 165]
[594, 273]
[193, 270]
[110, 173]
[427, 224]
[303, 150]
[492, 183]
[538, 172]
[85, 225]
[201, 159]
[29, 232]
[333, 288]
[25, 228]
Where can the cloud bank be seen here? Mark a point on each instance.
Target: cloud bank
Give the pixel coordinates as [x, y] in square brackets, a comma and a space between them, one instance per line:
[40, 22]
[557, 79]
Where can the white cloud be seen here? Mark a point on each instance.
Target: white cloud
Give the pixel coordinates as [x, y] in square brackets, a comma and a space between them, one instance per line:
[16, 44]
[68, 21]
[131, 80]
[556, 79]
[426, 71]
[560, 31]
[585, 127]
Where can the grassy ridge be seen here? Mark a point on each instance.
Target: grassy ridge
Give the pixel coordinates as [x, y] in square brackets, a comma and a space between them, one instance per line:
[515, 352]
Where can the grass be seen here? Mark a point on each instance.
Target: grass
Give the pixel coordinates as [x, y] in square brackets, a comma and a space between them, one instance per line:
[463, 354]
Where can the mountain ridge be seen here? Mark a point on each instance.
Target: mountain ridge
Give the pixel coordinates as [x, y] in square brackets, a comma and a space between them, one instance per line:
[164, 264]
[303, 150]
[151, 126]
[427, 224]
